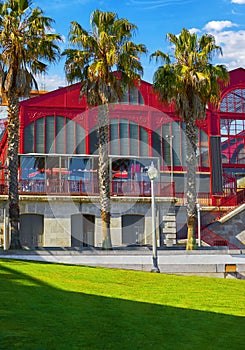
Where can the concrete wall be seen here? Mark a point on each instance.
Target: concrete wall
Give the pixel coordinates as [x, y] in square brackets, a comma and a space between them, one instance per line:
[57, 212]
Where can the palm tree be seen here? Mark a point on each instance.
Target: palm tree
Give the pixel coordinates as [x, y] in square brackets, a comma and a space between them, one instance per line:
[25, 46]
[190, 82]
[93, 61]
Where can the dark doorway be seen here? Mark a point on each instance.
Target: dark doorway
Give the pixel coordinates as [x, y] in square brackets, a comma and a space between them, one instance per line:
[31, 230]
[82, 230]
[133, 228]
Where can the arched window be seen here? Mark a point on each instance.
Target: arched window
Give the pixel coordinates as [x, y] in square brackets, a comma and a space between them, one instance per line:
[234, 101]
[232, 127]
[169, 144]
[132, 96]
[54, 134]
[128, 138]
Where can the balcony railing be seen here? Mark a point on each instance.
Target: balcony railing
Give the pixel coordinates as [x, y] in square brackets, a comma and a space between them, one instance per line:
[119, 188]
[127, 188]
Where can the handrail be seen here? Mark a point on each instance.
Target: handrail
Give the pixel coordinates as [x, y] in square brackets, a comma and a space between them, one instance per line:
[88, 187]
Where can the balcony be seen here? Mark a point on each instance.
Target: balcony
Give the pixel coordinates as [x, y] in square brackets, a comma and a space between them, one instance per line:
[120, 188]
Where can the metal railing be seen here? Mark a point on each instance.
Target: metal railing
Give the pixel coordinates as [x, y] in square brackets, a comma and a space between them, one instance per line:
[126, 188]
[228, 198]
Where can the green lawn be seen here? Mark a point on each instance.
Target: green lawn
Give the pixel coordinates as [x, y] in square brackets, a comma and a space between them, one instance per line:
[56, 307]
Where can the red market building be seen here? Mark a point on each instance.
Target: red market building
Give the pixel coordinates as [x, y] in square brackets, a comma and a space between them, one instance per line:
[58, 159]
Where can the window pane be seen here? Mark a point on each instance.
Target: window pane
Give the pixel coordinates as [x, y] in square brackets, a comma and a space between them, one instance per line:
[80, 138]
[141, 100]
[234, 101]
[133, 97]
[134, 139]
[183, 146]
[124, 98]
[176, 144]
[124, 139]
[204, 159]
[166, 144]
[143, 142]
[156, 143]
[93, 142]
[50, 146]
[29, 138]
[32, 168]
[70, 136]
[60, 135]
[233, 139]
[114, 141]
[40, 135]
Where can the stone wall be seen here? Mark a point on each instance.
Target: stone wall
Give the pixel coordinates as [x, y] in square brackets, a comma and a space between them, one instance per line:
[232, 227]
[57, 212]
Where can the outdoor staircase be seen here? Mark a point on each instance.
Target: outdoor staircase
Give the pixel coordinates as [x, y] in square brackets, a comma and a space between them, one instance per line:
[212, 239]
[169, 230]
[227, 230]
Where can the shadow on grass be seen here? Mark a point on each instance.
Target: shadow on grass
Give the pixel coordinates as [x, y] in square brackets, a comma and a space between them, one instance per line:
[37, 316]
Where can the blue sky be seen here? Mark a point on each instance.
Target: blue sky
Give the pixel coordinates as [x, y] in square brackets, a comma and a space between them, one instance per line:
[225, 19]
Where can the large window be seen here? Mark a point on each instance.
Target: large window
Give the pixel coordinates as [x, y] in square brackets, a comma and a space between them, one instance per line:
[232, 140]
[54, 134]
[232, 128]
[169, 143]
[234, 101]
[126, 138]
[132, 96]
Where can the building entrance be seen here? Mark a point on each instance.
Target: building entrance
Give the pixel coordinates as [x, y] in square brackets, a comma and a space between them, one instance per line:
[31, 230]
[82, 230]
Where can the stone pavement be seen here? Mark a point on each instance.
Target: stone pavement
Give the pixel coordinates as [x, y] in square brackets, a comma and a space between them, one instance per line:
[207, 262]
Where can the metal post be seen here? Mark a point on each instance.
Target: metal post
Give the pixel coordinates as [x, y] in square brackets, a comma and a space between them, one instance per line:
[198, 206]
[152, 173]
[171, 160]
[5, 231]
[170, 138]
[154, 239]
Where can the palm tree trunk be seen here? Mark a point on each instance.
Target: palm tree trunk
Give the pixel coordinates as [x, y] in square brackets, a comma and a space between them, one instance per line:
[191, 147]
[13, 148]
[104, 174]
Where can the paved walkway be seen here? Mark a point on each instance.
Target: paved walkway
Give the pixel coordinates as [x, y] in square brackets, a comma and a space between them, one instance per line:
[198, 262]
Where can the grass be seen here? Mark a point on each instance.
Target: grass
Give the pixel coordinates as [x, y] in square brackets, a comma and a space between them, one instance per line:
[56, 307]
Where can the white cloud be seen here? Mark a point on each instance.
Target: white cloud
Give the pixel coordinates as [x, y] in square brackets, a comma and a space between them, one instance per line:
[219, 25]
[240, 2]
[50, 82]
[194, 30]
[231, 41]
[233, 46]
[153, 4]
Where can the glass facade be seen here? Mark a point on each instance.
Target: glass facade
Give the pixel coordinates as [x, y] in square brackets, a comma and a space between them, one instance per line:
[126, 138]
[54, 134]
[132, 96]
[170, 137]
[232, 130]
[234, 101]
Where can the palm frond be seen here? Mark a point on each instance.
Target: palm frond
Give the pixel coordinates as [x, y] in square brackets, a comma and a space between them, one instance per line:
[96, 55]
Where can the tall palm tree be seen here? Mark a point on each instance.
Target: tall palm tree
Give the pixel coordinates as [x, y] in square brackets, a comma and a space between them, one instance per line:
[26, 43]
[93, 61]
[190, 81]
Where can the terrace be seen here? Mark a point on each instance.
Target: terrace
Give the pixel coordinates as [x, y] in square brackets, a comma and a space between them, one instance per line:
[89, 187]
